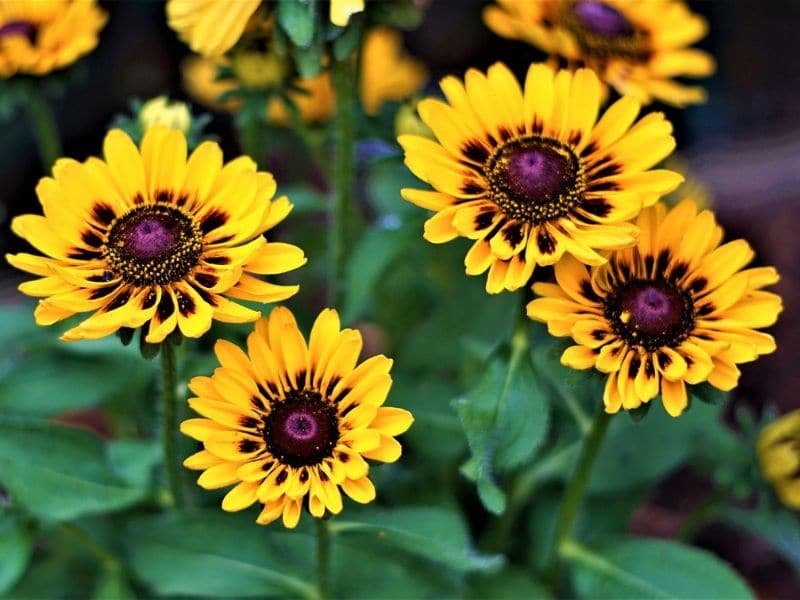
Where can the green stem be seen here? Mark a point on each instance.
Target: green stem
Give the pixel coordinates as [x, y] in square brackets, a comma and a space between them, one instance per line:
[251, 133]
[44, 127]
[103, 556]
[323, 559]
[574, 493]
[700, 513]
[343, 72]
[169, 423]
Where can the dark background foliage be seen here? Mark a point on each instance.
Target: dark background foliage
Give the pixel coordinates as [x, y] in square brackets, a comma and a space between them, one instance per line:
[743, 144]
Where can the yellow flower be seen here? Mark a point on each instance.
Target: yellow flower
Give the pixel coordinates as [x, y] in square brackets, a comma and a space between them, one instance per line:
[315, 100]
[779, 454]
[677, 308]
[387, 73]
[149, 237]
[258, 70]
[210, 27]
[530, 174]
[160, 111]
[636, 47]
[40, 36]
[342, 10]
[201, 83]
[288, 420]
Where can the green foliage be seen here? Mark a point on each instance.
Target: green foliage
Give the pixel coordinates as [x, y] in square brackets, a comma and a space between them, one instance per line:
[508, 584]
[296, 17]
[59, 473]
[642, 568]
[16, 547]
[435, 534]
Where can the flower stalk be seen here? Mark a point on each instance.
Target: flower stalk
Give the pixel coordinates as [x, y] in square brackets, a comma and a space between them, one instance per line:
[343, 73]
[574, 494]
[323, 559]
[44, 128]
[169, 423]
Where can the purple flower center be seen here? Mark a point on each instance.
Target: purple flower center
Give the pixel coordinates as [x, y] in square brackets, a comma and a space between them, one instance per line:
[153, 244]
[536, 173]
[651, 313]
[23, 28]
[151, 237]
[602, 19]
[302, 430]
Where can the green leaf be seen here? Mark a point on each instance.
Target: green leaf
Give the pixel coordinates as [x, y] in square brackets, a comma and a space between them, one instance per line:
[630, 458]
[296, 17]
[346, 43]
[433, 533]
[112, 585]
[647, 568]
[16, 548]
[508, 584]
[309, 59]
[372, 255]
[304, 198]
[777, 527]
[505, 419]
[385, 178]
[213, 554]
[59, 473]
[134, 460]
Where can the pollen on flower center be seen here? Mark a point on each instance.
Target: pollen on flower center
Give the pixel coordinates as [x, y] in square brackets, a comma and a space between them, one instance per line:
[535, 179]
[651, 313]
[153, 245]
[302, 430]
[602, 19]
[22, 28]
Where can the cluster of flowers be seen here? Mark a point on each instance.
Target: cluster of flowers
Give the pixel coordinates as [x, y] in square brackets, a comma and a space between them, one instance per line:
[534, 174]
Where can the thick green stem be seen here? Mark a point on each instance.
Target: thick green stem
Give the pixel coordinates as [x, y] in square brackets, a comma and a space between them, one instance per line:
[251, 134]
[169, 424]
[323, 559]
[574, 493]
[44, 127]
[343, 72]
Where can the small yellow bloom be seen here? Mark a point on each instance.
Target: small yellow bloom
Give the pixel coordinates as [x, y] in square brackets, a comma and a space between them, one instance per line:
[259, 70]
[315, 101]
[40, 36]
[778, 450]
[291, 423]
[342, 10]
[387, 72]
[160, 111]
[210, 27]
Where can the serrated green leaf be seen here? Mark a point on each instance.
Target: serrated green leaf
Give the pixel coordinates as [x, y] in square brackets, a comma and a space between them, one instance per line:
[647, 568]
[433, 533]
[59, 473]
[213, 554]
[16, 548]
[296, 18]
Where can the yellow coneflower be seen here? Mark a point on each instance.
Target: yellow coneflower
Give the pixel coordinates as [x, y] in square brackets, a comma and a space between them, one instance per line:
[531, 174]
[40, 36]
[637, 47]
[342, 10]
[147, 236]
[677, 308]
[288, 420]
[778, 450]
[210, 27]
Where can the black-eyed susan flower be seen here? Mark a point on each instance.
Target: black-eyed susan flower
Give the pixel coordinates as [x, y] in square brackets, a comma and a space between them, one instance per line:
[778, 450]
[387, 73]
[530, 174]
[149, 237]
[677, 308]
[288, 421]
[637, 47]
[38, 36]
[210, 27]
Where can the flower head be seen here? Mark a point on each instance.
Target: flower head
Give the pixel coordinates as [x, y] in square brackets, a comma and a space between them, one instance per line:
[636, 47]
[387, 73]
[37, 37]
[530, 174]
[149, 237]
[677, 308]
[210, 27]
[290, 420]
[160, 111]
[342, 10]
[779, 454]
